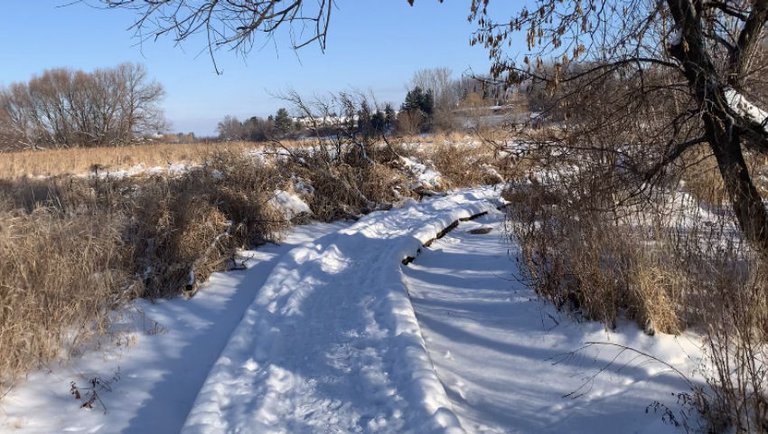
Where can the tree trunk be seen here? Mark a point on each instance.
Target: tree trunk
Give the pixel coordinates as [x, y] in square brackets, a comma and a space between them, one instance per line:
[708, 88]
[746, 201]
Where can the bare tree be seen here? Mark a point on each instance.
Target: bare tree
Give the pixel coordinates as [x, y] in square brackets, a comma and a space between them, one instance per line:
[230, 128]
[440, 81]
[696, 67]
[64, 108]
[141, 114]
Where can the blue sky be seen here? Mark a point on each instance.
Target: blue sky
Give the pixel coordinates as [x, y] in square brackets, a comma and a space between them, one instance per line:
[373, 45]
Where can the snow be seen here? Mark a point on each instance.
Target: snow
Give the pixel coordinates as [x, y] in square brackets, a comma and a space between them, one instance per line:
[302, 186]
[507, 359]
[172, 169]
[426, 176]
[331, 342]
[290, 204]
[739, 104]
[675, 37]
[319, 334]
[162, 351]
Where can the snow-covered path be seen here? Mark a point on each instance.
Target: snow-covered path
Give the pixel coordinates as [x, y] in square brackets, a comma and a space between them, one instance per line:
[507, 360]
[331, 343]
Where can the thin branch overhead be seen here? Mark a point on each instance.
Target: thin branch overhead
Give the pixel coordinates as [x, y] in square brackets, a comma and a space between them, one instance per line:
[229, 24]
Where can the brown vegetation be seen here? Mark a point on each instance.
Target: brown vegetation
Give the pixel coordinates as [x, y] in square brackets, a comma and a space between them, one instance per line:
[59, 277]
[74, 248]
[85, 161]
[464, 166]
[82, 161]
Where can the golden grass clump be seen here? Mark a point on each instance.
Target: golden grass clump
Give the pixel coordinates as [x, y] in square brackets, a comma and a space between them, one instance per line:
[464, 166]
[657, 294]
[586, 260]
[59, 277]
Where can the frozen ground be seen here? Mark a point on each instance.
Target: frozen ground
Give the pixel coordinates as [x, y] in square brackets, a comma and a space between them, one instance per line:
[319, 335]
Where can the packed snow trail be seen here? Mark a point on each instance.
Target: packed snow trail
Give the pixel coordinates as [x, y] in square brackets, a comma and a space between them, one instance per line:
[331, 343]
[510, 363]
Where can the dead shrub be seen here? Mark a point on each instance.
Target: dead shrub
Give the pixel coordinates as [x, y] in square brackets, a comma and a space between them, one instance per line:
[171, 229]
[736, 342]
[185, 228]
[347, 183]
[384, 184]
[731, 298]
[73, 249]
[241, 187]
[668, 264]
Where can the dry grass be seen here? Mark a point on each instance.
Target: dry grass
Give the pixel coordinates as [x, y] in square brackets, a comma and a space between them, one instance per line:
[602, 262]
[702, 177]
[59, 276]
[596, 262]
[73, 249]
[77, 161]
[464, 166]
[350, 185]
[657, 291]
[185, 228]
[440, 138]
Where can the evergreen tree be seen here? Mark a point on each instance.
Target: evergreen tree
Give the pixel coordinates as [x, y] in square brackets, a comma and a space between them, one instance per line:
[379, 122]
[364, 119]
[283, 122]
[413, 99]
[427, 103]
[420, 104]
[389, 116]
